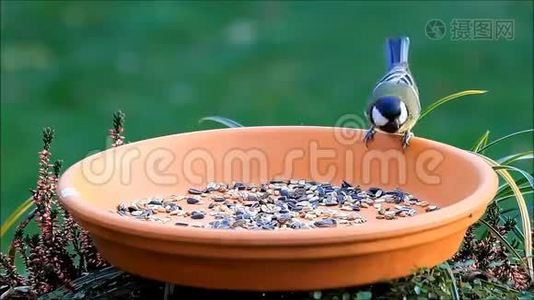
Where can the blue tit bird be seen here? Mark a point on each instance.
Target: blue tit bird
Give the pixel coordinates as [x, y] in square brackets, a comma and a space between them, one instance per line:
[394, 104]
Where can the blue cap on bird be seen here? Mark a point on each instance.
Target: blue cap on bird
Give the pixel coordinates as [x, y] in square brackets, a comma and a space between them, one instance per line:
[388, 113]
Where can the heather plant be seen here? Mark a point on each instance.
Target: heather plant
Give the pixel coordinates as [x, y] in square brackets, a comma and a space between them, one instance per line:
[61, 250]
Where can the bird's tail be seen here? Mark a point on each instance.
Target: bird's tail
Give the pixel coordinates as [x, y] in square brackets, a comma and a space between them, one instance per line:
[397, 50]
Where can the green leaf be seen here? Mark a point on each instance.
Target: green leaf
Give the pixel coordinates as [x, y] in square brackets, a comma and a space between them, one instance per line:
[222, 120]
[481, 142]
[364, 295]
[14, 216]
[449, 98]
[523, 210]
[526, 295]
[515, 157]
[417, 290]
[524, 173]
[495, 142]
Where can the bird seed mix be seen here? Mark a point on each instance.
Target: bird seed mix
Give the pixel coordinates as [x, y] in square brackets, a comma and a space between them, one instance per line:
[278, 204]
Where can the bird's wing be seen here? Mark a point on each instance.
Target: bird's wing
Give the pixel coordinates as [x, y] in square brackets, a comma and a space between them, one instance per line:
[399, 75]
[399, 82]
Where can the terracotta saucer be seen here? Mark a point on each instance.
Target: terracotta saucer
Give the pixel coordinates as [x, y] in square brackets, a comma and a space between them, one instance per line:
[457, 181]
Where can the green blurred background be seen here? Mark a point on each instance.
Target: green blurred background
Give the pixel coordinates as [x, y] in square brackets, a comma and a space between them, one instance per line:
[70, 65]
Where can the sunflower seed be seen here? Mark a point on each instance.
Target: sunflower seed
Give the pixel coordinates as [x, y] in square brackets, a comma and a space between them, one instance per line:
[194, 191]
[324, 223]
[192, 200]
[197, 215]
[431, 208]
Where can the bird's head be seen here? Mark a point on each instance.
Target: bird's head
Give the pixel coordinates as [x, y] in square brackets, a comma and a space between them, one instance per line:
[388, 113]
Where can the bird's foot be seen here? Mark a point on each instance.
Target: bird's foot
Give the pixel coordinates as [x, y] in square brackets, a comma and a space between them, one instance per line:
[369, 135]
[406, 139]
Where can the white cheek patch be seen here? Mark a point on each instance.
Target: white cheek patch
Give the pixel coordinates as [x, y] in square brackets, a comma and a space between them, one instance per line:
[404, 113]
[378, 119]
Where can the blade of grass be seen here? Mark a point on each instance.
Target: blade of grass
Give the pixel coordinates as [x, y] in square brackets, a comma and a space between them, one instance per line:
[448, 98]
[481, 142]
[499, 286]
[507, 191]
[524, 173]
[504, 138]
[14, 216]
[525, 190]
[515, 157]
[519, 182]
[221, 120]
[523, 210]
[454, 288]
